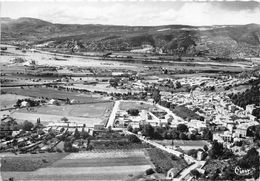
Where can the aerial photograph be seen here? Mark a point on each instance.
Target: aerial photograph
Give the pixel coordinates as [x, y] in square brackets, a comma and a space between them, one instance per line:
[134, 90]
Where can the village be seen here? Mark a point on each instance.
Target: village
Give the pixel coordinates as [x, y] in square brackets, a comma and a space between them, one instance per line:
[188, 115]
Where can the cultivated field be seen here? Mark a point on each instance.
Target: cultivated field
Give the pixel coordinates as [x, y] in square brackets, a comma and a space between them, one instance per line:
[108, 165]
[89, 114]
[80, 110]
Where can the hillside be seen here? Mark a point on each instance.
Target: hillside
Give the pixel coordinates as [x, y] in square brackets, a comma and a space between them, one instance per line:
[225, 41]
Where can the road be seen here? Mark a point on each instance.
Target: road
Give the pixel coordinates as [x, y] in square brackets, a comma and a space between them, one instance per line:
[190, 160]
[113, 114]
[194, 164]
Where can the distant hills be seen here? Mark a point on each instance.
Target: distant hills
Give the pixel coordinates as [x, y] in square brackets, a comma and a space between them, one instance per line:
[224, 41]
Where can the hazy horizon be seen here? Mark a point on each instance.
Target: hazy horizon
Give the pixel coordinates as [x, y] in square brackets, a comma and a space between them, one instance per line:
[139, 13]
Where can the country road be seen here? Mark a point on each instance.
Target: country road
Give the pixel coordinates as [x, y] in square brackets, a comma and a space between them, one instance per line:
[194, 164]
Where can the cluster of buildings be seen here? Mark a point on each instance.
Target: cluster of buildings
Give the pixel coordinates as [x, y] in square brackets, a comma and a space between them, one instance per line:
[217, 109]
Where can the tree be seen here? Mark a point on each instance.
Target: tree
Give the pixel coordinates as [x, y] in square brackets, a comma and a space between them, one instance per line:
[62, 129]
[250, 159]
[27, 125]
[157, 133]
[114, 82]
[207, 134]
[256, 113]
[191, 137]
[135, 131]
[64, 119]
[76, 134]
[133, 112]
[183, 136]
[156, 96]
[195, 173]
[174, 134]
[67, 146]
[177, 84]
[205, 148]
[84, 135]
[148, 130]
[129, 128]
[193, 153]
[217, 150]
[182, 128]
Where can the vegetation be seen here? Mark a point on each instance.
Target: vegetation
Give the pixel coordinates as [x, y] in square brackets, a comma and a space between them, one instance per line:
[219, 152]
[133, 112]
[186, 113]
[250, 96]
[164, 161]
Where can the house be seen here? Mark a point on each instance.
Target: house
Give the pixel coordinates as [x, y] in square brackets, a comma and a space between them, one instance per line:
[99, 127]
[172, 173]
[250, 108]
[53, 102]
[24, 104]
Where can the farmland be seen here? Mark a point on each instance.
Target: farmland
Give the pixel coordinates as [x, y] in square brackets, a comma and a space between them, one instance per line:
[88, 114]
[104, 165]
[50, 93]
[81, 110]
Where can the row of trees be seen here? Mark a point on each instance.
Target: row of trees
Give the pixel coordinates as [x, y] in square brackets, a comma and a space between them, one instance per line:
[168, 133]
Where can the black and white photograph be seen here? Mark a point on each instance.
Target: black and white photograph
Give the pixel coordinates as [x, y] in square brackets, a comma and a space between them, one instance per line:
[129, 90]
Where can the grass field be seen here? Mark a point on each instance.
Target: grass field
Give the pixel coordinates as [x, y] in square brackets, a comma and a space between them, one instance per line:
[39, 92]
[108, 165]
[136, 105]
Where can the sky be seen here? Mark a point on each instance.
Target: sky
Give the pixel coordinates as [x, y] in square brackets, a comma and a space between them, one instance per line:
[135, 12]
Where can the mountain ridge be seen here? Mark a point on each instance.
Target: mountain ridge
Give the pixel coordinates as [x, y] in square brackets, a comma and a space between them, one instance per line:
[216, 40]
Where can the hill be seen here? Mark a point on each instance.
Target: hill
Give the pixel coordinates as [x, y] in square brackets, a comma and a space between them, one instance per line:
[226, 41]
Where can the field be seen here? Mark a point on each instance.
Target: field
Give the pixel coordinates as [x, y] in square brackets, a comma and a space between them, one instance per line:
[8, 100]
[136, 105]
[39, 92]
[164, 161]
[80, 110]
[26, 163]
[184, 144]
[88, 114]
[106, 165]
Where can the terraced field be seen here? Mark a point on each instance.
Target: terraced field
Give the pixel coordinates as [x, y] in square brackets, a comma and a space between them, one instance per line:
[98, 165]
